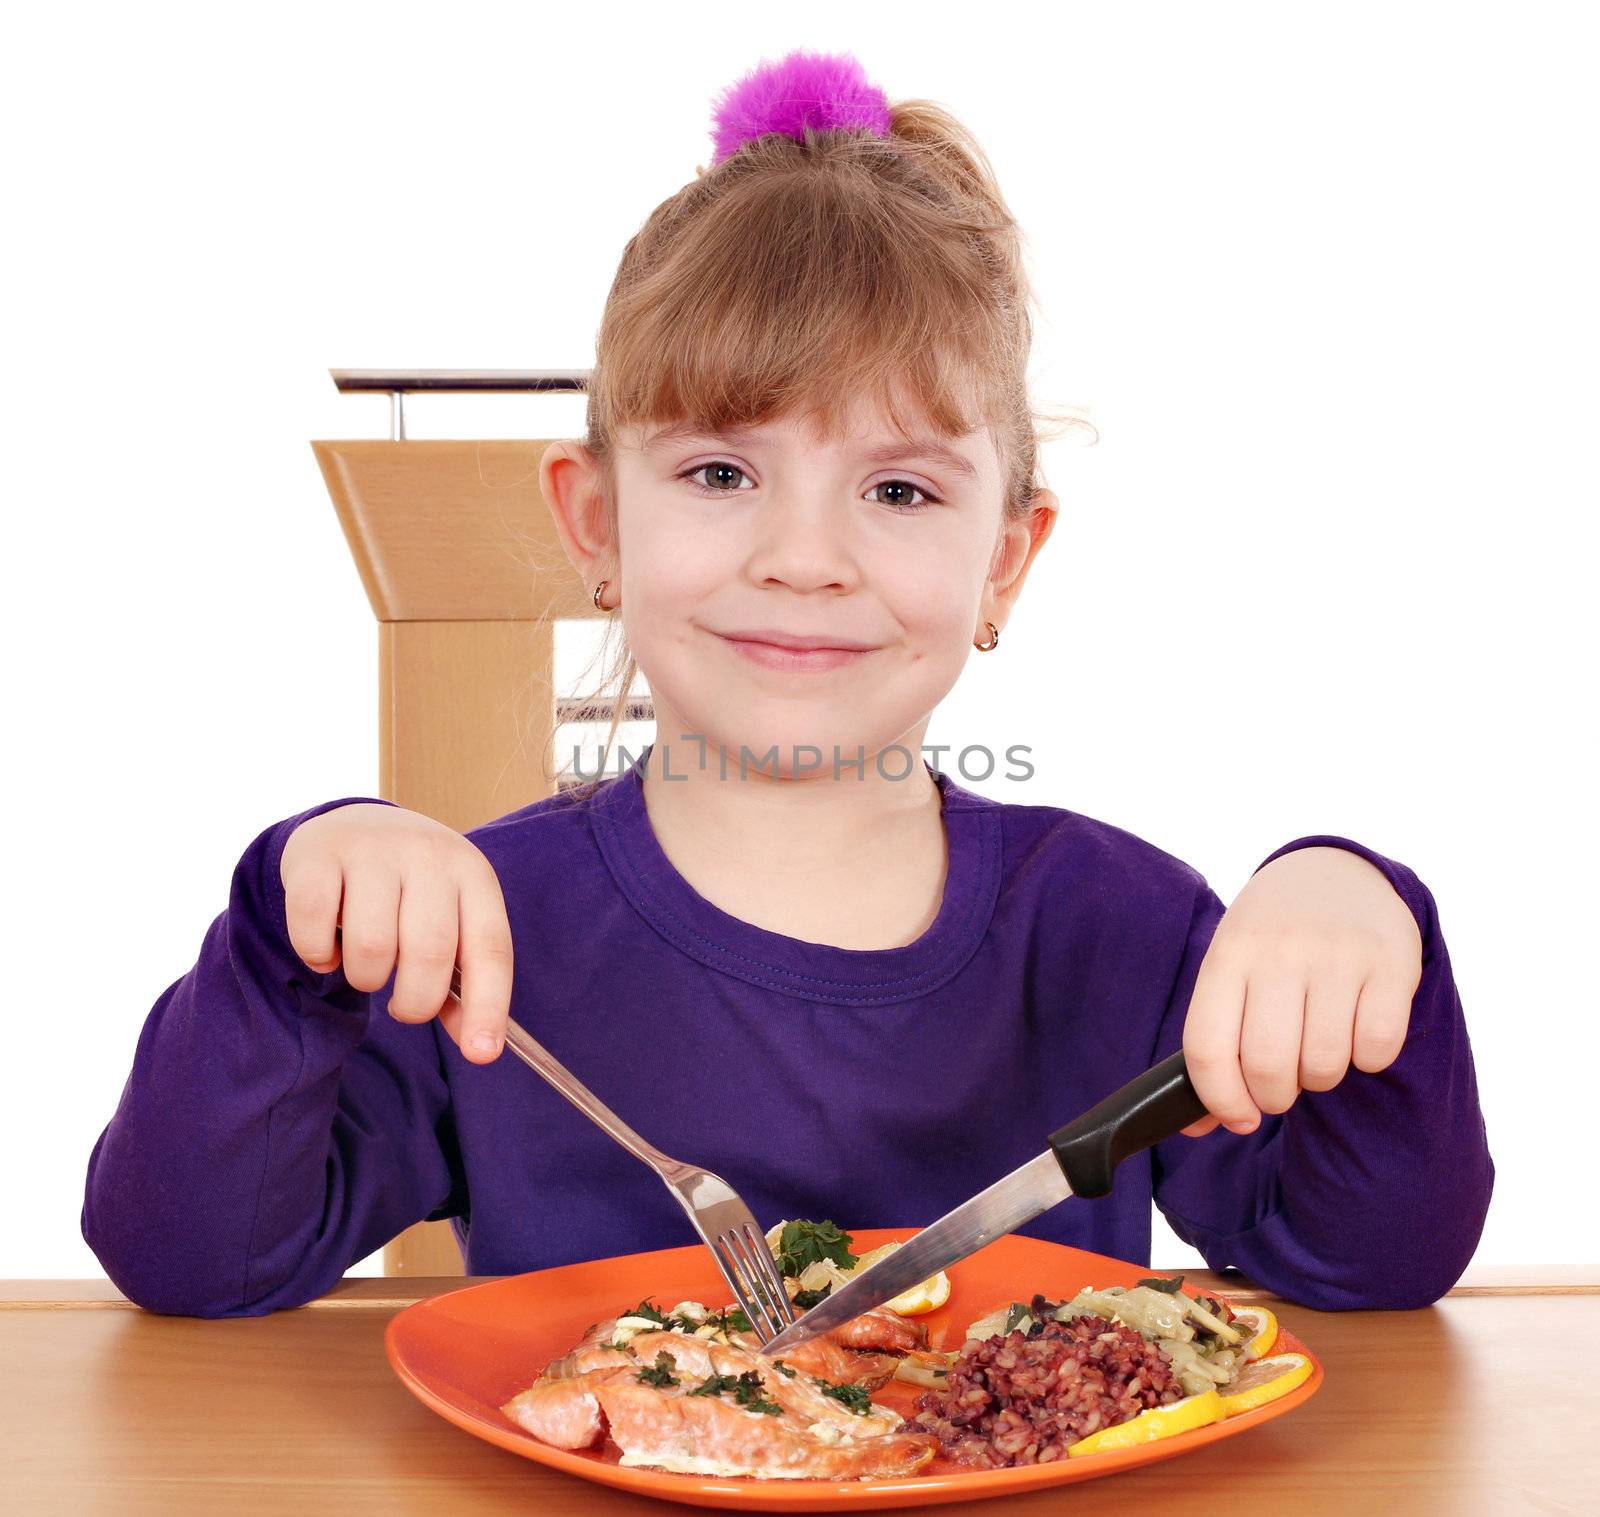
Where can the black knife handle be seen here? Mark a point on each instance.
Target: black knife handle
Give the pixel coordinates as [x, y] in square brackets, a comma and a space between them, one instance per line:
[1146, 1111]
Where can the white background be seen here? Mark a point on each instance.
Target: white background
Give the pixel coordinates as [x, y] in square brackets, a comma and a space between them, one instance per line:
[1324, 277]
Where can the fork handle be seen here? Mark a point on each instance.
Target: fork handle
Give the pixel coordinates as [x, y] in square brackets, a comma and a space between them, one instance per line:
[543, 1063]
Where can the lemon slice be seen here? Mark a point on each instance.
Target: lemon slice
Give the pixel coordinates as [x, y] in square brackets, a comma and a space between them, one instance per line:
[1260, 1329]
[1158, 1422]
[1264, 1380]
[871, 1257]
[926, 1296]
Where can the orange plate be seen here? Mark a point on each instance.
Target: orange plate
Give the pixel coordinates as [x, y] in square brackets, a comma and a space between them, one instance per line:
[466, 1353]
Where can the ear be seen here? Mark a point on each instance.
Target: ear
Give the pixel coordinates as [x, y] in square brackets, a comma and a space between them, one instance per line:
[571, 483]
[1018, 546]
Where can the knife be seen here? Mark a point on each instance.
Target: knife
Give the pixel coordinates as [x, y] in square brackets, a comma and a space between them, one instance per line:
[1079, 1161]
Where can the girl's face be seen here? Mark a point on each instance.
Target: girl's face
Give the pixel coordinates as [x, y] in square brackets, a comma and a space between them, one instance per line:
[884, 560]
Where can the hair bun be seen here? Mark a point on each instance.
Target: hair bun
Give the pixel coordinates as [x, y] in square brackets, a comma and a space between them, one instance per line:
[817, 90]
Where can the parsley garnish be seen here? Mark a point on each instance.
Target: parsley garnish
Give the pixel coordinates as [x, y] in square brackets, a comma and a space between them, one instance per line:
[805, 1300]
[661, 1372]
[731, 1321]
[853, 1396]
[746, 1388]
[803, 1243]
[747, 1392]
[779, 1365]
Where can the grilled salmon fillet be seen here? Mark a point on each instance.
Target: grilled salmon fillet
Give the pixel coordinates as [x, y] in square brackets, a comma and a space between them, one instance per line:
[564, 1412]
[836, 1355]
[764, 1416]
[672, 1430]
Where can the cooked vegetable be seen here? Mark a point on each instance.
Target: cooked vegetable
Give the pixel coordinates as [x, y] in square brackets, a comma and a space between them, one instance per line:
[1155, 1310]
[930, 1370]
[1193, 1369]
[1213, 1322]
[996, 1322]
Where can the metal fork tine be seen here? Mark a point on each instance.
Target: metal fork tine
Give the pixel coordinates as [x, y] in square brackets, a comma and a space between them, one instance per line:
[767, 1274]
[755, 1280]
[733, 1275]
[767, 1324]
[712, 1205]
[779, 1284]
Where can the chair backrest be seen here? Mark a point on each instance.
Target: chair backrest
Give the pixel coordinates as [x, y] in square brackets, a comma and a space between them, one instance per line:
[467, 578]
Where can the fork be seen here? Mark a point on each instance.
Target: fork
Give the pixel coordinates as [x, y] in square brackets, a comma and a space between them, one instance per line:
[723, 1221]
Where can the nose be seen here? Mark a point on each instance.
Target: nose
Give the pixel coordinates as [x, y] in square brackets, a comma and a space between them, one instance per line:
[803, 540]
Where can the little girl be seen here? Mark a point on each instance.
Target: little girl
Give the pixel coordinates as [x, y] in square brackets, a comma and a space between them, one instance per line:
[783, 945]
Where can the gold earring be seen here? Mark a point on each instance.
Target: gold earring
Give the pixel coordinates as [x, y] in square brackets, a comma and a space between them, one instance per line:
[994, 639]
[597, 589]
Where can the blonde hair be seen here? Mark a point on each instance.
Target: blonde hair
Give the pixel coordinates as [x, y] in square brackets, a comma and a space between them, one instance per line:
[797, 278]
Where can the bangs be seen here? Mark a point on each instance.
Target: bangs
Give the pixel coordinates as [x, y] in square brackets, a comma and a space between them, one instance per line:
[805, 295]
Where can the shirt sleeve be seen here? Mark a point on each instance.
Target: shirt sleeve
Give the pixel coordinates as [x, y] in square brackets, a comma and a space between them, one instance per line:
[267, 1137]
[1369, 1195]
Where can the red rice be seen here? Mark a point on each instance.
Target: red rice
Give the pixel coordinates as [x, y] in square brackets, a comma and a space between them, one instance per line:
[1016, 1399]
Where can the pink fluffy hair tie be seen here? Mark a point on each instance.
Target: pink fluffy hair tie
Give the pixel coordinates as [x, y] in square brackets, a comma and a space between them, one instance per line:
[816, 90]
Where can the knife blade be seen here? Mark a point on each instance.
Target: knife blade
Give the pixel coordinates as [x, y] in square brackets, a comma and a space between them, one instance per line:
[1079, 1161]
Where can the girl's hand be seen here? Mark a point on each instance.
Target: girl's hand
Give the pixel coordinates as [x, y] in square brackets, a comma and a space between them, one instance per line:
[393, 882]
[1311, 969]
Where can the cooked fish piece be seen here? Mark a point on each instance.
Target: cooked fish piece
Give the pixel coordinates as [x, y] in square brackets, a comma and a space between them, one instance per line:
[836, 1355]
[565, 1411]
[668, 1429]
[824, 1356]
[584, 1358]
[565, 1407]
[881, 1328]
[695, 1360]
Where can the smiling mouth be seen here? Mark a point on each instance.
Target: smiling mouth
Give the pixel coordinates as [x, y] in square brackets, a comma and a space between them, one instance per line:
[793, 659]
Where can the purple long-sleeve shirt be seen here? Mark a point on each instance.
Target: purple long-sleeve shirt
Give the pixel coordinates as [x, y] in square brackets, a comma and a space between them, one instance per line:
[279, 1125]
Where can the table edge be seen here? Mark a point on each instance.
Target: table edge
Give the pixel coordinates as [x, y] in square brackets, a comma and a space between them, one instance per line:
[383, 1293]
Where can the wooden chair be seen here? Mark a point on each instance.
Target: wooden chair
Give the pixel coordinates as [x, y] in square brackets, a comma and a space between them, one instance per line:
[467, 578]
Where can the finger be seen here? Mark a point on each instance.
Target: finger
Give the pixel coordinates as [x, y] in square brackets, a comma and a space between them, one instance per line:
[1329, 1027]
[1269, 1042]
[1211, 1042]
[311, 900]
[1383, 1016]
[486, 968]
[427, 944]
[1201, 1128]
[368, 922]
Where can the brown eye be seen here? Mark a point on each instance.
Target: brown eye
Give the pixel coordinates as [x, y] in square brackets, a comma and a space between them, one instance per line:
[719, 470]
[902, 486]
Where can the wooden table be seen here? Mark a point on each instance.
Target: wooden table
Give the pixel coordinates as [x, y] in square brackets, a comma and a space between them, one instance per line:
[1486, 1402]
